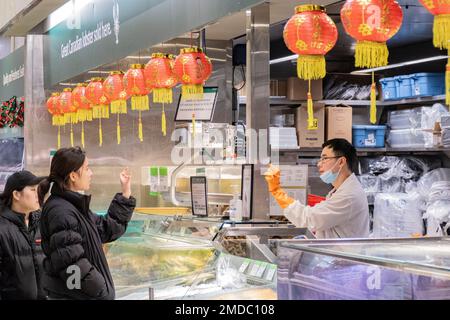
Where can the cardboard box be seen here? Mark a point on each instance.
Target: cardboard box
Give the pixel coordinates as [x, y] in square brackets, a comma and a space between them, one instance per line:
[297, 89]
[282, 88]
[311, 138]
[339, 123]
[273, 88]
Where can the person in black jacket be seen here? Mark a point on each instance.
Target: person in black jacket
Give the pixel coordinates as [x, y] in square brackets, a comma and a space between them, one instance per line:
[72, 235]
[20, 254]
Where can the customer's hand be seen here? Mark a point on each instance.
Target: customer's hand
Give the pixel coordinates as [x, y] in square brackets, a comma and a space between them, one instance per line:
[125, 181]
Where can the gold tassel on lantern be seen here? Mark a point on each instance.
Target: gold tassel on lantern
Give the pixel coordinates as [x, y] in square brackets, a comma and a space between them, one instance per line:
[119, 106]
[370, 54]
[59, 137]
[311, 67]
[100, 132]
[162, 95]
[163, 122]
[373, 101]
[140, 103]
[118, 129]
[192, 91]
[71, 135]
[441, 31]
[141, 131]
[82, 134]
[100, 111]
[312, 122]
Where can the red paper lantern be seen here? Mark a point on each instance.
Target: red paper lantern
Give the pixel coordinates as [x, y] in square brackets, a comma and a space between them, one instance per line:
[54, 108]
[67, 107]
[160, 78]
[311, 34]
[193, 68]
[99, 102]
[371, 23]
[82, 103]
[134, 83]
[441, 25]
[114, 90]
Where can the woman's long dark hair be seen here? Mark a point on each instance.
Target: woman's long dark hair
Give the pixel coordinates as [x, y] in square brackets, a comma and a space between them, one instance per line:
[65, 161]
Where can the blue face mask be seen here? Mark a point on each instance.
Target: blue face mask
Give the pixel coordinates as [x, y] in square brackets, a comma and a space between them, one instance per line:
[329, 176]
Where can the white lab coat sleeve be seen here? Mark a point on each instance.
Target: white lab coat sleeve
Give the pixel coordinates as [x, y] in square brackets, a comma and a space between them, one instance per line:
[325, 215]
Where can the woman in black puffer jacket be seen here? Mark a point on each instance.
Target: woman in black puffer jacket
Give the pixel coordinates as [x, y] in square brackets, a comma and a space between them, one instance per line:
[72, 236]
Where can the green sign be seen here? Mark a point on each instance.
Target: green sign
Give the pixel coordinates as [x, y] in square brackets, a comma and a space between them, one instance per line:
[12, 69]
[105, 31]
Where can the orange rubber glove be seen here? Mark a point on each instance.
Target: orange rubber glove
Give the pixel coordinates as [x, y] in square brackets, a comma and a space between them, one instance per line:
[272, 177]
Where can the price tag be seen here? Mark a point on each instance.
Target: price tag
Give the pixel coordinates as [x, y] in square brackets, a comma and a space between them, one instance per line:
[261, 270]
[244, 266]
[271, 272]
[255, 269]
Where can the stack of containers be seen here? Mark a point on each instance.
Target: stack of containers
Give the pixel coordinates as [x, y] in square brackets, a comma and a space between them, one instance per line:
[405, 128]
[413, 85]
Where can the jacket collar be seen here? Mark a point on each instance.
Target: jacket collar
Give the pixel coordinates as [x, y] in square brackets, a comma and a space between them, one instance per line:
[19, 218]
[80, 201]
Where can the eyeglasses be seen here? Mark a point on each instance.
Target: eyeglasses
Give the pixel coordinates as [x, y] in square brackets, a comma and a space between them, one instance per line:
[323, 159]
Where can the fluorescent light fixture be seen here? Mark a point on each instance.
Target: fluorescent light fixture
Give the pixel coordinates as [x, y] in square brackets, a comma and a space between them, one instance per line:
[401, 64]
[283, 59]
[139, 57]
[99, 72]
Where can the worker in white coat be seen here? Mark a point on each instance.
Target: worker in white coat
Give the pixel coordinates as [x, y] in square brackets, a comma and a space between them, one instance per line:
[345, 212]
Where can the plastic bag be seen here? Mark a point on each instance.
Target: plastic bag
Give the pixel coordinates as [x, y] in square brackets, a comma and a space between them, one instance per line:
[426, 181]
[227, 275]
[397, 215]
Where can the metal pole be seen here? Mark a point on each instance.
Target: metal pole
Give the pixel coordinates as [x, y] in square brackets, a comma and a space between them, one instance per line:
[257, 107]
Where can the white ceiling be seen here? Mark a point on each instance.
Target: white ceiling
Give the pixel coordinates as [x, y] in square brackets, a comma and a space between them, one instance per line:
[234, 25]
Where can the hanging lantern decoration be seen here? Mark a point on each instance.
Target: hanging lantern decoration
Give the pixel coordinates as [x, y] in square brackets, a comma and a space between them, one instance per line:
[54, 108]
[134, 83]
[99, 103]
[441, 33]
[159, 76]
[84, 110]
[114, 90]
[371, 23]
[311, 34]
[441, 24]
[193, 68]
[69, 110]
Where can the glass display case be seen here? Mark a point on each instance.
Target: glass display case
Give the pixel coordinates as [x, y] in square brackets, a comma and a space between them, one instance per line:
[400, 269]
[177, 257]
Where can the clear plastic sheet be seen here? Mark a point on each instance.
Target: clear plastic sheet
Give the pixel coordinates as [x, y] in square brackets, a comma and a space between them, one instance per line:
[426, 181]
[347, 91]
[397, 215]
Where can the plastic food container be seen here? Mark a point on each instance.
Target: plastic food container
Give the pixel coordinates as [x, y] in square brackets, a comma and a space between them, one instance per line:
[368, 136]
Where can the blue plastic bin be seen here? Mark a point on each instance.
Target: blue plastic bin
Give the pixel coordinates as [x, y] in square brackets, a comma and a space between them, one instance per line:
[389, 88]
[368, 136]
[428, 84]
[404, 86]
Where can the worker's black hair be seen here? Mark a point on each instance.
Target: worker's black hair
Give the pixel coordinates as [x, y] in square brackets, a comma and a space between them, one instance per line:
[343, 148]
